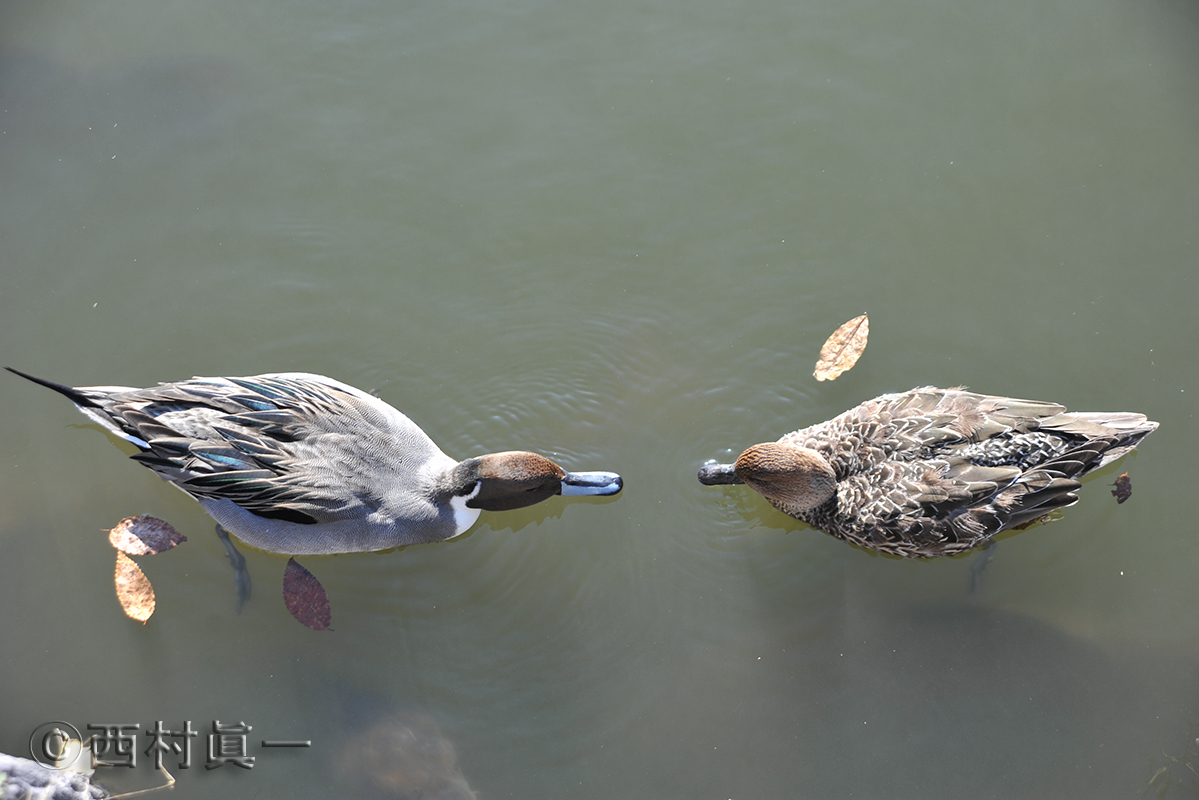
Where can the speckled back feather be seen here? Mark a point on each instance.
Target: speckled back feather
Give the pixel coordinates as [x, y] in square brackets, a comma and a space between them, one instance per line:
[934, 472]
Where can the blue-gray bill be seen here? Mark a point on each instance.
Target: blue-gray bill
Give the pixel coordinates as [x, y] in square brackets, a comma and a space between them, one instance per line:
[575, 484]
[718, 474]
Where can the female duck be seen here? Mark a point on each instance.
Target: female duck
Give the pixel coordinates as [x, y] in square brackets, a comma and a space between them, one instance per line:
[932, 472]
[302, 464]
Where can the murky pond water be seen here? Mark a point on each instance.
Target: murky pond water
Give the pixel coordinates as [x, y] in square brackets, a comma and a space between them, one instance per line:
[617, 235]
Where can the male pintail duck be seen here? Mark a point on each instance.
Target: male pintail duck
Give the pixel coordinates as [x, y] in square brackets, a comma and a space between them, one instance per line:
[302, 464]
[932, 472]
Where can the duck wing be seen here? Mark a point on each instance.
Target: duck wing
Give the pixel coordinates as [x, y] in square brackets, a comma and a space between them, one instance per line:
[906, 507]
[295, 447]
[940, 507]
[916, 425]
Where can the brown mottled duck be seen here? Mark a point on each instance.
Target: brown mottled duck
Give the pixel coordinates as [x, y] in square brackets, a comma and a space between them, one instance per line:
[933, 472]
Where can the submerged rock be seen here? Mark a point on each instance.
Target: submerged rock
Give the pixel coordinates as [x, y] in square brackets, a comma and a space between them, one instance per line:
[404, 756]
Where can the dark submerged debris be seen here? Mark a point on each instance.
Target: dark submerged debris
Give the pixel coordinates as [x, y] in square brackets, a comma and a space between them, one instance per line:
[1123, 488]
[305, 597]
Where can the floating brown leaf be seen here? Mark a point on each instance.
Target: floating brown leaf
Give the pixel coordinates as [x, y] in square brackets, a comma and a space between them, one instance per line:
[305, 597]
[144, 536]
[842, 349]
[1123, 489]
[133, 589]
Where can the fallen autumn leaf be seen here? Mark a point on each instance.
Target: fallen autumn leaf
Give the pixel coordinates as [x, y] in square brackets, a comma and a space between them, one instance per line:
[842, 350]
[305, 597]
[133, 589]
[144, 536]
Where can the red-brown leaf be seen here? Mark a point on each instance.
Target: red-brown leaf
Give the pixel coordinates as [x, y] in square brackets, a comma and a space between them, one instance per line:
[144, 536]
[305, 597]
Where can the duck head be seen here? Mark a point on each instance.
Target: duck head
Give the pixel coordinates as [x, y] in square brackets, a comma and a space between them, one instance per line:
[515, 479]
[793, 478]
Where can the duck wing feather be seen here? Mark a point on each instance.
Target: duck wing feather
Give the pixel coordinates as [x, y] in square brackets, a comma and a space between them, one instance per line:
[934, 472]
[288, 446]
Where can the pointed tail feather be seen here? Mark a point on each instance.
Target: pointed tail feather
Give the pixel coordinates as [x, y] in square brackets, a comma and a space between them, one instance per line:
[1123, 424]
[87, 400]
[71, 393]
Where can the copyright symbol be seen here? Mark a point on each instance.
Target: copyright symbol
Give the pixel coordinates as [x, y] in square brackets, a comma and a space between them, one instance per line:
[56, 745]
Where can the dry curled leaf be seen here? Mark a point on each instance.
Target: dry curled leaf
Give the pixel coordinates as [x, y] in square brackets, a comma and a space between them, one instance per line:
[1123, 489]
[144, 536]
[842, 350]
[305, 597]
[133, 589]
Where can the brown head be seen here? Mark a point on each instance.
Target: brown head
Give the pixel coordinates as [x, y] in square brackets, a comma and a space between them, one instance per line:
[793, 478]
[516, 479]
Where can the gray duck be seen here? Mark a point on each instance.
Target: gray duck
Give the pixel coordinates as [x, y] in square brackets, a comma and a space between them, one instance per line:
[301, 464]
[933, 472]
